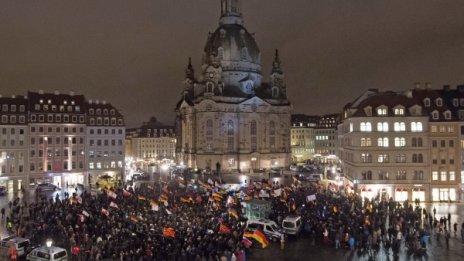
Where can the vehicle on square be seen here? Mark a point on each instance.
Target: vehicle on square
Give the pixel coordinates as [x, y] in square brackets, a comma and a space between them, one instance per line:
[292, 225]
[269, 227]
[51, 253]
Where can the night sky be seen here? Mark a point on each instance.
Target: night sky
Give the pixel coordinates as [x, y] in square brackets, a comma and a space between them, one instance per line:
[133, 53]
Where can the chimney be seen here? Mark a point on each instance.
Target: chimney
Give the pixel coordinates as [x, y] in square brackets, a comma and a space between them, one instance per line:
[103, 102]
[41, 92]
[71, 93]
[446, 87]
[90, 101]
[13, 96]
[56, 92]
[417, 85]
[97, 102]
[1, 96]
[428, 85]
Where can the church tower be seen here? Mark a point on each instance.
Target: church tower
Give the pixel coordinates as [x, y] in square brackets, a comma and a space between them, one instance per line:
[228, 119]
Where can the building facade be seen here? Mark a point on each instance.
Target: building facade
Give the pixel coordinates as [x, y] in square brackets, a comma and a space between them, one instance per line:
[14, 161]
[44, 140]
[404, 145]
[105, 136]
[314, 138]
[153, 143]
[228, 118]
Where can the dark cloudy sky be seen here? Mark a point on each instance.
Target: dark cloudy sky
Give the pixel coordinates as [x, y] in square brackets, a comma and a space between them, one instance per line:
[133, 53]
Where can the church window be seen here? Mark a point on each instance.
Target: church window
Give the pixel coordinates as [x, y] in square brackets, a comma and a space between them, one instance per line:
[275, 92]
[209, 128]
[253, 131]
[220, 53]
[230, 135]
[244, 53]
[209, 87]
[272, 134]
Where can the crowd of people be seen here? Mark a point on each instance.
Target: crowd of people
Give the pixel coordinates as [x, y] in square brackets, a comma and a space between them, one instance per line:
[185, 219]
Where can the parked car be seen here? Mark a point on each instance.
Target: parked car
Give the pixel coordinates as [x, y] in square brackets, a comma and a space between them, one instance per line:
[2, 190]
[268, 227]
[292, 225]
[293, 167]
[46, 187]
[21, 245]
[52, 253]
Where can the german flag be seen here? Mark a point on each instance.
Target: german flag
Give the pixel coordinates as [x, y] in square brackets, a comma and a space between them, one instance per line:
[186, 199]
[163, 198]
[248, 234]
[142, 197]
[134, 219]
[261, 238]
[169, 232]
[153, 203]
[224, 229]
[233, 213]
[217, 196]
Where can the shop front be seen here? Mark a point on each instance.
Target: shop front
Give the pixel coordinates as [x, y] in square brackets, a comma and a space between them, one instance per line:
[444, 194]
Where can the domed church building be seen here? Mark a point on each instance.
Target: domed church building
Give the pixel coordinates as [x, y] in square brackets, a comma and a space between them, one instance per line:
[228, 118]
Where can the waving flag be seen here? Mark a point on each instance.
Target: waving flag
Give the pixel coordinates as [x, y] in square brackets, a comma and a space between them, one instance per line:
[233, 213]
[154, 205]
[261, 238]
[163, 198]
[113, 205]
[134, 219]
[126, 193]
[246, 242]
[224, 229]
[186, 199]
[112, 195]
[169, 232]
[85, 213]
[141, 197]
[105, 212]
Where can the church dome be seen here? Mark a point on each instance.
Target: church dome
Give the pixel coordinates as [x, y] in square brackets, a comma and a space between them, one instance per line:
[231, 43]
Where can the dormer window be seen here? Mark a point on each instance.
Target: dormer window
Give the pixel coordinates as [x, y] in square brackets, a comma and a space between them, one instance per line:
[455, 102]
[439, 102]
[399, 111]
[98, 111]
[447, 115]
[427, 102]
[381, 111]
[112, 112]
[105, 112]
[435, 115]
[368, 111]
[91, 111]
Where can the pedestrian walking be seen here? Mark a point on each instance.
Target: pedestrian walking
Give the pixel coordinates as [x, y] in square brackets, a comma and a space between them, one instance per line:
[282, 242]
[447, 237]
[455, 227]
[3, 213]
[434, 211]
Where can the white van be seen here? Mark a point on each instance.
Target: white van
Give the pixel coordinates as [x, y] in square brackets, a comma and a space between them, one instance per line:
[292, 225]
[268, 227]
[45, 253]
[21, 244]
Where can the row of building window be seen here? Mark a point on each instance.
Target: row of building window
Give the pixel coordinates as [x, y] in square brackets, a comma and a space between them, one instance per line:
[99, 111]
[55, 153]
[12, 108]
[105, 142]
[100, 154]
[105, 165]
[385, 158]
[384, 127]
[443, 176]
[399, 175]
[55, 108]
[105, 131]
[12, 119]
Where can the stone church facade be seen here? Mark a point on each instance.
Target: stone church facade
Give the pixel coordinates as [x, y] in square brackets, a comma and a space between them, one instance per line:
[228, 118]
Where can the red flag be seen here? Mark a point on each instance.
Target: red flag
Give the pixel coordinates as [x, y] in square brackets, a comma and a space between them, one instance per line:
[224, 229]
[126, 193]
[105, 212]
[169, 232]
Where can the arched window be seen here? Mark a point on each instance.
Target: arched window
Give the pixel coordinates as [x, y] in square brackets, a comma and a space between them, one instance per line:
[414, 142]
[275, 92]
[230, 135]
[419, 142]
[244, 54]
[272, 134]
[209, 127]
[414, 158]
[220, 53]
[420, 158]
[253, 132]
[209, 87]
